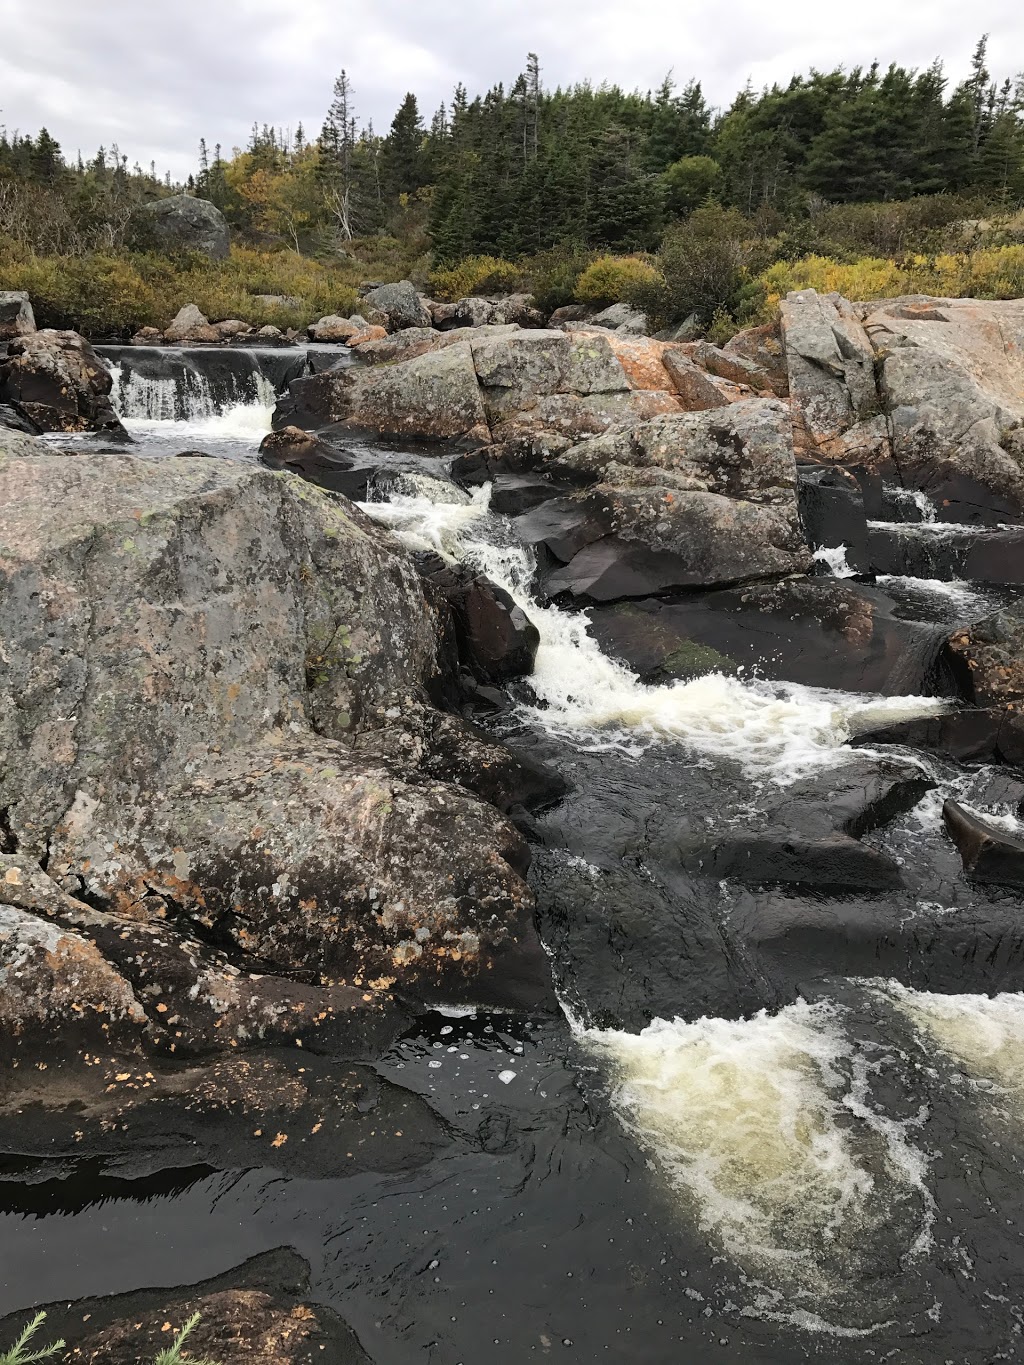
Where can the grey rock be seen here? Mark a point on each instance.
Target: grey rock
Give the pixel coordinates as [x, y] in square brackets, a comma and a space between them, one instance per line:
[400, 304]
[623, 318]
[183, 223]
[334, 328]
[16, 315]
[191, 649]
[188, 322]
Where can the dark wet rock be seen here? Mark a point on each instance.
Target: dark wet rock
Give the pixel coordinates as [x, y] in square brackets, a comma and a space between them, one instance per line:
[514, 494]
[563, 526]
[822, 632]
[399, 304]
[811, 835]
[833, 514]
[258, 1314]
[991, 735]
[496, 639]
[284, 1110]
[184, 223]
[989, 658]
[16, 315]
[989, 853]
[149, 721]
[922, 551]
[13, 420]
[58, 382]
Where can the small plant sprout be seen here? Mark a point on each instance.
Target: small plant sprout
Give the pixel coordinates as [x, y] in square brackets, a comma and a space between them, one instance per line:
[173, 1356]
[19, 1354]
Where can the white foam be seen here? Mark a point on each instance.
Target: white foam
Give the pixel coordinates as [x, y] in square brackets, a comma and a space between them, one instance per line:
[834, 560]
[983, 1034]
[778, 730]
[763, 1128]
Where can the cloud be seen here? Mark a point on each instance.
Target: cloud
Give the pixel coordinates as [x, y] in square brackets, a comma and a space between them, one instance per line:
[154, 79]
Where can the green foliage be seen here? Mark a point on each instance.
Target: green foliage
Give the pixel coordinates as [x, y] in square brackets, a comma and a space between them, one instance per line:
[20, 1354]
[691, 180]
[105, 294]
[474, 276]
[173, 1356]
[703, 264]
[616, 279]
[552, 275]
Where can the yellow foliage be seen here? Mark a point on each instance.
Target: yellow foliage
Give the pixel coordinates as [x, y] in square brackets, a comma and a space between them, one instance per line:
[614, 279]
[473, 276]
[990, 273]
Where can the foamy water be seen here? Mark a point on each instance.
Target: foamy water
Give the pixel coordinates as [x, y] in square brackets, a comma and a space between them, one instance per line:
[183, 413]
[835, 560]
[763, 1129]
[781, 730]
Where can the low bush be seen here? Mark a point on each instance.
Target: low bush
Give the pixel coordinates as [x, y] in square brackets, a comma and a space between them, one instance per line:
[474, 276]
[552, 274]
[616, 279]
[109, 294]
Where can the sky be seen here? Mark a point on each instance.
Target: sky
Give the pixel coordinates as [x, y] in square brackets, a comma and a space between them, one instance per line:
[153, 77]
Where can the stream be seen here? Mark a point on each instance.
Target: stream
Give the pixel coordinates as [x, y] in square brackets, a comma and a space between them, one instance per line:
[768, 1125]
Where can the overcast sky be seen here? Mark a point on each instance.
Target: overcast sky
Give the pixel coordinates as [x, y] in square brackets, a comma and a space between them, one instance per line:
[155, 76]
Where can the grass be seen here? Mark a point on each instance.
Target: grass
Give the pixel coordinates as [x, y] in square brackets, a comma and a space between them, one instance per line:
[21, 1353]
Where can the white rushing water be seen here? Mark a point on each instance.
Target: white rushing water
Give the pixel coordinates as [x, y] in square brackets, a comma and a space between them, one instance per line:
[913, 497]
[776, 730]
[763, 1128]
[983, 1035]
[184, 412]
[834, 559]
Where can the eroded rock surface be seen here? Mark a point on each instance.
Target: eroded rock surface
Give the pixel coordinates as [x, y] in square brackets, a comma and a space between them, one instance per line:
[58, 382]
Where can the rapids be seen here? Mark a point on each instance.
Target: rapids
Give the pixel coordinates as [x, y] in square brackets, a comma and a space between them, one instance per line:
[766, 1126]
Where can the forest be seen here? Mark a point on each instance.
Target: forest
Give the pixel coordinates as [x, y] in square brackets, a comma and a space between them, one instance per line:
[654, 196]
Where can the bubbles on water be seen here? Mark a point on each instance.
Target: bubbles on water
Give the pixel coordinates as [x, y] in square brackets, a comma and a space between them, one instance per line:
[834, 560]
[182, 412]
[764, 1129]
[983, 1035]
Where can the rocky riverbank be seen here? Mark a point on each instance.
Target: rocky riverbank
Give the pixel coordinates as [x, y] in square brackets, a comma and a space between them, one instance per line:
[281, 774]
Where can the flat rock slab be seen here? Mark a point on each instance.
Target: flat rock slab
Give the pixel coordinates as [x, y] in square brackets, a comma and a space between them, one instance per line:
[989, 853]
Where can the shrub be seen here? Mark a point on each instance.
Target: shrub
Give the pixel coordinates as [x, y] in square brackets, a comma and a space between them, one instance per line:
[108, 294]
[704, 264]
[476, 275]
[552, 274]
[615, 279]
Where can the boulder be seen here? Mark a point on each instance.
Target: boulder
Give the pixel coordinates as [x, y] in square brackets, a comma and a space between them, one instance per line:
[821, 632]
[12, 420]
[685, 500]
[334, 328]
[696, 389]
[57, 381]
[371, 332]
[230, 328]
[496, 640]
[623, 318]
[990, 853]
[515, 309]
[831, 368]
[400, 304]
[570, 312]
[434, 396]
[183, 223]
[735, 368]
[166, 770]
[952, 382]
[190, 325]
[990, 735]
[148, 336]
[16, 316]
[763, 346]
[988, 657]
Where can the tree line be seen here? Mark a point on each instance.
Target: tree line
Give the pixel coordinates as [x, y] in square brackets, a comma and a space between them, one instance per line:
[523, 169]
